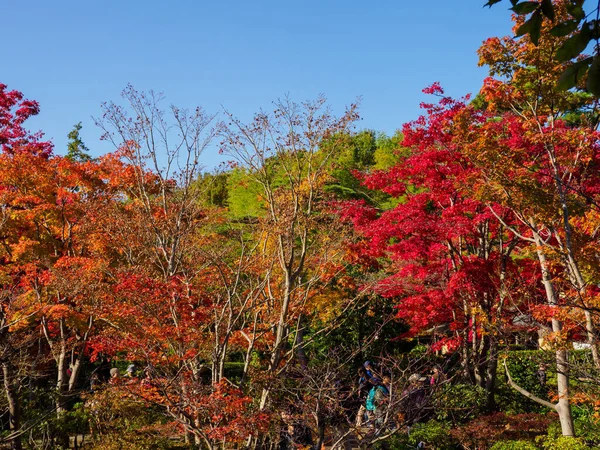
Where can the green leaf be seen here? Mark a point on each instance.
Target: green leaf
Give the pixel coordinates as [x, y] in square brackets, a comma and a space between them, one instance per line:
[525, 7]
[548, 9]
[564, 28]
[490, 3]
[593, 80]
[514, 2]
[573, 74]
[536, 27]
[576, 10]
[573, 46]
[532, 27]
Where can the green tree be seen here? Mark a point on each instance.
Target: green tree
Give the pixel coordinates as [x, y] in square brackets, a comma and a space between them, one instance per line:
[76, 149]
[215, 188]
[244, 194]
[388, 150]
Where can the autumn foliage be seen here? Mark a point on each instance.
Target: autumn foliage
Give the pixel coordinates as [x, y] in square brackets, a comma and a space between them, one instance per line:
[137, 289]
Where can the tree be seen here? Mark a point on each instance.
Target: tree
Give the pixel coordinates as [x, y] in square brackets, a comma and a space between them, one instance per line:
[76, 149]
[184, 287]
[17, 143]
[450, 266]
[363, 151]
[14, 111]
[52, 269]
[283, 153]
[579, 26]
[543, 168]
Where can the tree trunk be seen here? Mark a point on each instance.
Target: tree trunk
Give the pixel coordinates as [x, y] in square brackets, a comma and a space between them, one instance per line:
[564, 406]
[490, 376]
[592, 341]
[61, 380]
[299, 344]
[562, 370]
[14, 410]
[280, 336]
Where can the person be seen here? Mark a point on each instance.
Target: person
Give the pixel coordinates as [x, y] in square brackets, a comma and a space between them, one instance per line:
[114, 376]
[371, 373]
[435, 377]
[541, 374]
[364, 386]
[94, 381]
[413, 400]
[378, 395]
[147, 381]
[130, 371]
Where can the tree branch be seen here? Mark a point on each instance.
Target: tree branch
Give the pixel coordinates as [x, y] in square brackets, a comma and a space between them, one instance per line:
[525, 392]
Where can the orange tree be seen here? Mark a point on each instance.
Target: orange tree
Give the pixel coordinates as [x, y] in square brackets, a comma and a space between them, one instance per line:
[288, 154]
[183, 283]
[52, 283]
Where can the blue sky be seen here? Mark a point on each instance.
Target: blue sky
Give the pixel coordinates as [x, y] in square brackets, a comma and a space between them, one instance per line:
[71, 56]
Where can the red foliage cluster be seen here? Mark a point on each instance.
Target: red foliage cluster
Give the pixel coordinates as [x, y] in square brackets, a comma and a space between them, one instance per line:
[14, 111]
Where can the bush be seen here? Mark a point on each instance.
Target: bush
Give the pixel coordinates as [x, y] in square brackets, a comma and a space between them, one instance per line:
[458, 403]
[398, 441]
[135, 442]
[485, 431]
[588, 430]
[436, 435]
[513, 445]
[563, 443]
[523, 366]
[119, 421]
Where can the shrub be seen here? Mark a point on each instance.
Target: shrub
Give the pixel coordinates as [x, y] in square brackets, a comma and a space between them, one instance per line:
[588, 430]
[458, 403]
[523, 366]
[133, 441]
[485, 431]
[562, 443]
[436, 435]
[398, 441]
[514, 445]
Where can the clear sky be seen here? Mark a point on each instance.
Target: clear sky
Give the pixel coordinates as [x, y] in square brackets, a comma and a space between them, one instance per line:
[73, 55]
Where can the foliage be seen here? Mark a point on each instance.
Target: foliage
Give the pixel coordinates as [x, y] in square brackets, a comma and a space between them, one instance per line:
[136, 441]
[513, 445]
[563, 443]
[215, 187]
[548, 18]
[14, 137]
[243, 195]
[458, 403]
[588, 430]
[388, 150]
[436, 435]
[484, 431]
[246, 298]
[524, 368]
[76, 149]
